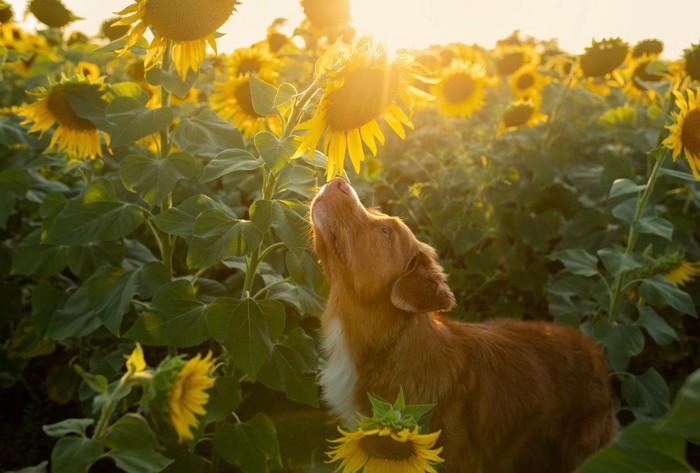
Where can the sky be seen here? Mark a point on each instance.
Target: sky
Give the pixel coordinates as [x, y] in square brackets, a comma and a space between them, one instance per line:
[418, 23]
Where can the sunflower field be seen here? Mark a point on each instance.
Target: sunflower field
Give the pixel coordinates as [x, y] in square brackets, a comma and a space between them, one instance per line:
[160, 295]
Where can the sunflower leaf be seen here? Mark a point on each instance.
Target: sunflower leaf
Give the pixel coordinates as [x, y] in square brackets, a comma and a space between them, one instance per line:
[130, 120]
[206, 134]
[250, 445]
[155, 179]
[217, 236]
[263, 95]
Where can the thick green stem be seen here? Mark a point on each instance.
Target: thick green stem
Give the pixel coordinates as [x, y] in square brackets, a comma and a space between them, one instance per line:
[560, 101]
[298, 109]
[165, 100]
[632, 236]
[108, 408]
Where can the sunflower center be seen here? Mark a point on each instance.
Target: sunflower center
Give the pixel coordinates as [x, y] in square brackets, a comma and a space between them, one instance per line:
[366, 92]
[187, 20]
[525, 81]
[385, 447]
[61, 109]
[458, 88]
[243, 98]
[510, 63]
[690, 133]
[517, 115]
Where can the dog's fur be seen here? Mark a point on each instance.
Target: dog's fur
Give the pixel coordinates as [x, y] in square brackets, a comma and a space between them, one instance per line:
[510, 396]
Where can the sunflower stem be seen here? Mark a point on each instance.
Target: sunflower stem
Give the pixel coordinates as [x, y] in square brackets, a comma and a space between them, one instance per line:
[165, 99]
[299, 108]
[119, 392]
[560, 102]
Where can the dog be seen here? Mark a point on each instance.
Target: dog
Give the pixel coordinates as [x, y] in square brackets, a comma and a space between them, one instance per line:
[510, 396]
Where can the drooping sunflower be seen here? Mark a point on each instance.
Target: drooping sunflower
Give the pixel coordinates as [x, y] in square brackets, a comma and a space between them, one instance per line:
[684, 273]
[325, 14]
[642, 71]
[603, 57]
[386, 450]
[188, 396]
[366, 85]
[691, 61]
[648, 47]
[75, 135]
[52, 13]
[232, 100]
[113, 32]
[189, 24]
[685, 132]
[461, 88]
[521, 113]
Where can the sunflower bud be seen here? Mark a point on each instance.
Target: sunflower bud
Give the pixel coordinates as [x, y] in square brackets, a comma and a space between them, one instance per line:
[691, 58]
[603, 57]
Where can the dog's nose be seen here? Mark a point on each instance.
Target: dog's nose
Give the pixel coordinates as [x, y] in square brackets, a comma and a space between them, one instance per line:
[341, 184]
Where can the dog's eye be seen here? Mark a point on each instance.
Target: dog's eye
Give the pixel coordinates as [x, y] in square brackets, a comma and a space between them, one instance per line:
[386, 231]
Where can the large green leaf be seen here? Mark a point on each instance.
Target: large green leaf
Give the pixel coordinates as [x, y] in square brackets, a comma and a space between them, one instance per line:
[206, 134]
[88, 102]
[139, 460]
[621, 342]
[287, 219]
[33, 258]
[656, 326]
[180, 220]
[74, 455]
[661, 291]
[80, 223]
[131, 431]
[175, 317]
[622, 187]
[171, 80]
[217, 236]
[577, 261]
[647, 395]
[684, 418]
[228, 162]
[293, 368]
[640, 448]
[263, 96]
[224, 398]
[250, 445]
[153, 179]
[130, 120]
[276, 153]
[618, 262]
[248, 328]
[68, 426]
[13, 185]
[655, 226]
[75, 319]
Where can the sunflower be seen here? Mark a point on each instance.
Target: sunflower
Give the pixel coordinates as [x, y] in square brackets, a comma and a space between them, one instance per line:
[232, 100]
[510, 58]
[136, 362]
[521, 113]
[648, 47]
[685, 132]
[603, 57]
[189, 24]
[384, 449]
[188, 395]
[644, 70]
[254, 60]
[111, 31]
[364, 87]
[77, 136]
[526, 82]
[691, 61]
[52, 13]
[685, 272]
[327, 14]
[461, 88]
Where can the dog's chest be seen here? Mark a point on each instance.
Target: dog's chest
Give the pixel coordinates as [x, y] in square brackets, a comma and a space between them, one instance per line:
[339, 376]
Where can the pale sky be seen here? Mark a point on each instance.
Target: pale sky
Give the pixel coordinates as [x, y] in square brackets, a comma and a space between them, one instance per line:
[418, 23]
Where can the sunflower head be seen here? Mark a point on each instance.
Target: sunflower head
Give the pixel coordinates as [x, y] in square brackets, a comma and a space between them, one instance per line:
[52, 13]
[327, 14]
[648, 47]
[365, 86]
[389, 440]
[521, 113]
[603, 57]
[510, 58]
[691, 61]
[461, 89]
[191, 25]
[253, 60]
[75, 135]
[179, 393]
[526, 81]
[111, 31]
[6, 12]
[685, 132]
[683, 273]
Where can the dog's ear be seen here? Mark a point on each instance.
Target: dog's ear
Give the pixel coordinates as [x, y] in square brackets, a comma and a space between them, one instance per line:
[423, 287]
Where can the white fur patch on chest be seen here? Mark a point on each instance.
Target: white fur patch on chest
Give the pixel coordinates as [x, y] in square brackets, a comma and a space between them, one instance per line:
[339, 376]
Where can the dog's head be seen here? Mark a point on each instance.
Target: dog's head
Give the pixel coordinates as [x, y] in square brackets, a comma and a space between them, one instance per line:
[375, 257]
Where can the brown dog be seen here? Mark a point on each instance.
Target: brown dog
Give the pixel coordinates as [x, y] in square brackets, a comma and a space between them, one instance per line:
[510, 396]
